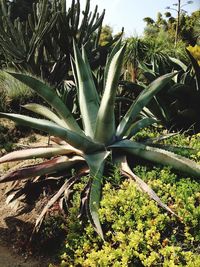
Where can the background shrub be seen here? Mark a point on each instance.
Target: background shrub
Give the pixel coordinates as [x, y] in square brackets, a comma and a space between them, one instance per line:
[13, 93]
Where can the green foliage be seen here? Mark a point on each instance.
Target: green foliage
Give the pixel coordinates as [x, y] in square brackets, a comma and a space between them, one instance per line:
[41, 44]
[149, 51]
[195, 52]
[86, 147]
[177, 106]
[189, 30]
[188, 27]
[163, 43]
[20, 8]
[52, 229]
[106, 35]
[2, 100]
[13, 93]
[137, 232]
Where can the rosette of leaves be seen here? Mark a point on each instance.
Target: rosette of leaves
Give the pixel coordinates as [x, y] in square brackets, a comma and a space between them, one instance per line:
[86, 148]
[177, 105]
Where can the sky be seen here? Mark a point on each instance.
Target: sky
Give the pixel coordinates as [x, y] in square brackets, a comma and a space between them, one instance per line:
[130, 13]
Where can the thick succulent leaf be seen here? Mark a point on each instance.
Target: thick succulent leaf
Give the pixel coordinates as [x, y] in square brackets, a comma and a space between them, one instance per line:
[141, 124]
[105, 122]
[112, 54]
[160, 156]
[38, 152]
[21, 191]
[46, 112]
[179, 63]
[49, 95]
[74, 139]
[86, 61]
[58, 140]
[161, 109]
[51, 202]
[142, 185]
[96, 165]
[143, 99]
[146, 113]
[87, 94]
[47, 167]
[150, 141]
[148, 73]
[175, 149]
[65, 201]
[65, 145]
[73, 66]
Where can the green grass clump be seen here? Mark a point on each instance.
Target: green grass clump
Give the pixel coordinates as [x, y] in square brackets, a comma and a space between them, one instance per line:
[13, 93]
[137, 231]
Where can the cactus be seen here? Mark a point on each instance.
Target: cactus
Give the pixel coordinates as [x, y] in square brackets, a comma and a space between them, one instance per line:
[42, 44]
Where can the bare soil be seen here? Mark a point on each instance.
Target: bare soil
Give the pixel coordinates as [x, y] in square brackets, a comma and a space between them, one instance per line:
[16, 250]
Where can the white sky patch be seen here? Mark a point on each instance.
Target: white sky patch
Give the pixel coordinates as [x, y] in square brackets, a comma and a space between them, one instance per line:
[130, 13]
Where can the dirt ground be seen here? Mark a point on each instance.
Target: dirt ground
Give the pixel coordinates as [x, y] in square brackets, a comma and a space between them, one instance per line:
[8, 259]
[14, 232]
[16, 250]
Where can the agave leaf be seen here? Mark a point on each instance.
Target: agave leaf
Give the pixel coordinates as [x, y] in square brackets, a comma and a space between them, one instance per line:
[87, 64]
[161, 109]
[58, 140]
[16, 201]
[74, 139]
[143, 99]
[48, 167]
[105, 122]
[142, 185]
[179, 63]
[159, 156]
[148, 73]
[147, 113]
[113, 52]
[141, 124]
[46, 112]
[87, 94]
[49, 95]
[175, 149]
[70, 149]
[160, 138]
[38, 152]
[73, 65]
[51, 202]
[83, 171]
[65, 145]
[16, 195]
[96, 165]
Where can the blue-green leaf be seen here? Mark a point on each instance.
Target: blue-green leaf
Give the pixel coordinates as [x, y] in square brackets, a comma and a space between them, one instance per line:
[105, 123]
[49, 95]
[159, 156]
[143, 99]
[46, 112]
[87, 94]
[96, 165]
[140, 124]
[78, 141]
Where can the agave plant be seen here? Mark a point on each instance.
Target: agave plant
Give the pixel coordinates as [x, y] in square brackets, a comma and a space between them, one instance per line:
[86, 148]
[177, 106]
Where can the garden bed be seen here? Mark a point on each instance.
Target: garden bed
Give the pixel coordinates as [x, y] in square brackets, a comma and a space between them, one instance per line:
[137, 231]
